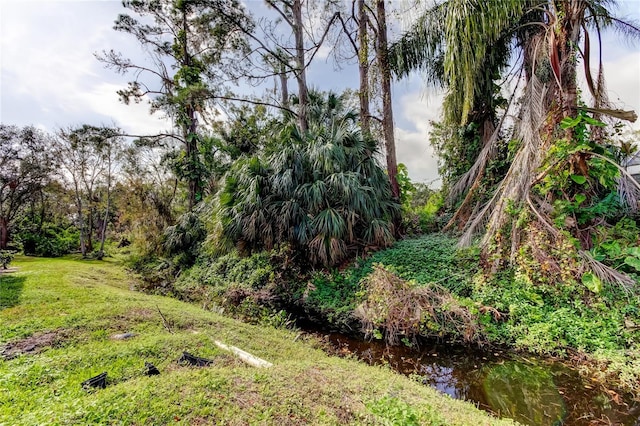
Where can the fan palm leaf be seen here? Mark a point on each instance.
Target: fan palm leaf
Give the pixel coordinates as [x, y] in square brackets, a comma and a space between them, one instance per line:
[318, 191]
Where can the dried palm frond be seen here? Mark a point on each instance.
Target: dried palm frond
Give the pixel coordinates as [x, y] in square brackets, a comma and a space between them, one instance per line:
[629, 193]
[467, 180]
[471, 180]
[478, 221]
[517, 182]
[515, 189]
[402, 309]
[628, 187]
[606, 273]
[615, 113]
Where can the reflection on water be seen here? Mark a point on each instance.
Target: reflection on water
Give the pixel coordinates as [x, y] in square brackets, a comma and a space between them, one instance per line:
[525, 393]
[530, 391]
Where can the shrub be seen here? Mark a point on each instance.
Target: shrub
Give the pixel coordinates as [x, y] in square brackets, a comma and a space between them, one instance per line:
[421, 207]
[50, 240]
[157, 275]
[321, 191]
[6, 256]
[183, 239]
[403, 310]
[252, 287]
[550, 319]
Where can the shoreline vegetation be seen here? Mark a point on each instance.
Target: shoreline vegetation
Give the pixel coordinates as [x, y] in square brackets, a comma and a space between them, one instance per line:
[71, 309]
[426, 287]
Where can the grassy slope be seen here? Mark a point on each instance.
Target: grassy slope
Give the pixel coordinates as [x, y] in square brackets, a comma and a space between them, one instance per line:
[90, 301]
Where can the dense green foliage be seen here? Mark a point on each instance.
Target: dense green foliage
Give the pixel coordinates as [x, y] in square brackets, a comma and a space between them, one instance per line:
[431, 258]
[513, 307]
[254, 288]
[195, 48]
[48, 240]
[183, 239]
[322, 191]
[26, 167]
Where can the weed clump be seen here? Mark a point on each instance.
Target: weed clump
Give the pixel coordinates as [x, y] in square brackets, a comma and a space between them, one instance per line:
[404, 310]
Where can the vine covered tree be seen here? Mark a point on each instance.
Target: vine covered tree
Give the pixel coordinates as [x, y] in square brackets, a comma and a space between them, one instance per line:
[561, 162]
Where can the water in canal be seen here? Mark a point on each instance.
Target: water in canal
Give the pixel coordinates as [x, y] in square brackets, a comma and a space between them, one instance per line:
[533, 392]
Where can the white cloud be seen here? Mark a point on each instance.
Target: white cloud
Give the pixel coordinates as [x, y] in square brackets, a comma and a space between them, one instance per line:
[622, 78]
[133, 118]
[412, 138]
[49, 74]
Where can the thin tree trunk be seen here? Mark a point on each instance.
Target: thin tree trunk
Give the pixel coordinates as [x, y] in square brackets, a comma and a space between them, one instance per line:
[106, 213]
[284, 88]
[43, 210]
[301, 73]
[81, 227]
[4, 233]
[387, 110]
[89, 234]
[363, 67]
[190, 128]
[104, 227]
[191, 151]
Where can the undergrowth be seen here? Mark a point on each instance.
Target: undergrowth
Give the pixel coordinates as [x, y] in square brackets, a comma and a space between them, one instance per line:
[432, 258]
[425, 287]
[405, 310]
[253, 288]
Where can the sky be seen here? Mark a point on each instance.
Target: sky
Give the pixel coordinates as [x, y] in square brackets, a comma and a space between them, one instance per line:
[50, 78]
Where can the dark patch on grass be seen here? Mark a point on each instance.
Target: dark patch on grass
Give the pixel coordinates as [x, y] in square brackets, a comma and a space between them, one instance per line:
[10, 290]
[126, 321]
[34, 344]
[137, 315]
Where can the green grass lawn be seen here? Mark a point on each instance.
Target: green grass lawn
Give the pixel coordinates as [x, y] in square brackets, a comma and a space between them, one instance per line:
[62, 313]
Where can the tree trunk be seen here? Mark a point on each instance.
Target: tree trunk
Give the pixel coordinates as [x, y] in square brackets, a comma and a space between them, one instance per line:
[81, 227]
[387, 111]
[191, 155]
[89, 233]
[568, 41]
[190, 126]
[106, 213]
[284, 87]
[301, 73]
[4, 233]
[363, 67]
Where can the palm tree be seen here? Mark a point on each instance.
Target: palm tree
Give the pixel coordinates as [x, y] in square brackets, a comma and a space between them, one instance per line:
[464, 43]
[322, 190]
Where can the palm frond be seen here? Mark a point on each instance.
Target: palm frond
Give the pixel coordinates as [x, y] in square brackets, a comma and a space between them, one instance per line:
[606, 273]
[319, 192]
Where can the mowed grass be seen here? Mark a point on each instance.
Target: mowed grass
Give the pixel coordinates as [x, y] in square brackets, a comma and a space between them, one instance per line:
[79, 305]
